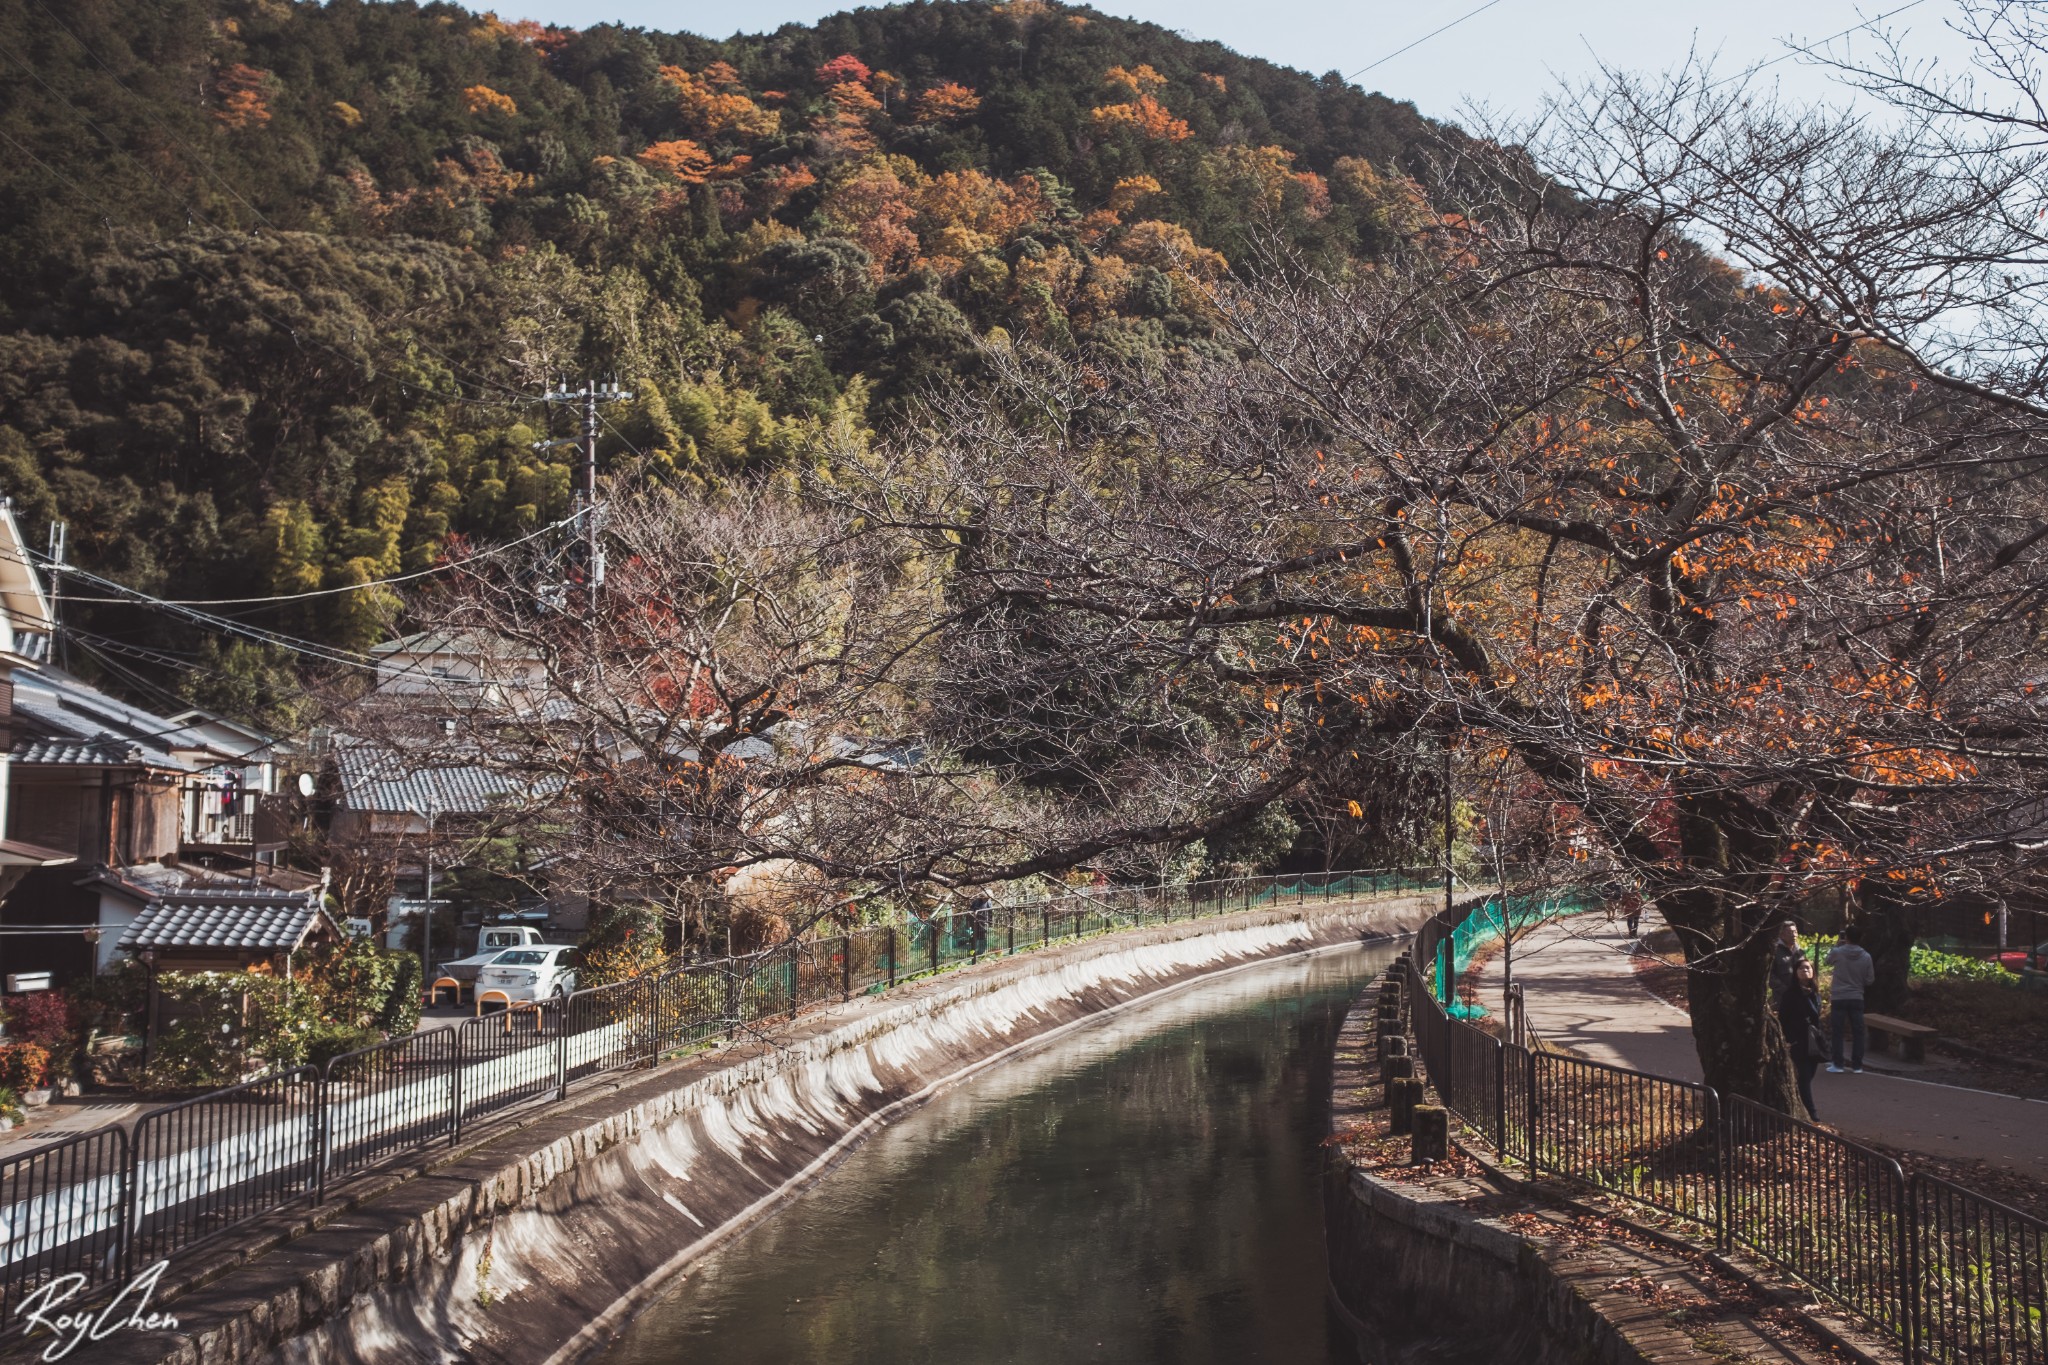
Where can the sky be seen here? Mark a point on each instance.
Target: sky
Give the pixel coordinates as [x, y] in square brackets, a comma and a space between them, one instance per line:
[1504, 57]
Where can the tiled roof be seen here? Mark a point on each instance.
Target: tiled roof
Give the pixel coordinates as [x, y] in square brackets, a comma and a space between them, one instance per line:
[59, 719]
[100, 751]
[374, 778]
[261, 919]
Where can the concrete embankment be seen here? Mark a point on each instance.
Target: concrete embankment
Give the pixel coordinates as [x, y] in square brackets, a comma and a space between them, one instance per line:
[535, 1245]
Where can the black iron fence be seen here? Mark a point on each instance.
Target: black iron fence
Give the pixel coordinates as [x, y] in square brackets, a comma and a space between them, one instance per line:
[1956, 1278]
[109, 1203]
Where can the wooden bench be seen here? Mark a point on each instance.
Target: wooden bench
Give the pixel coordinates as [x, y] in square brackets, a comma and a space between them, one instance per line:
[1912, 1037]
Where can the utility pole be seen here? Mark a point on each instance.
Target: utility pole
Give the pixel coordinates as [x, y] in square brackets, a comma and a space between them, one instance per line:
[588, 397]
[59, 533]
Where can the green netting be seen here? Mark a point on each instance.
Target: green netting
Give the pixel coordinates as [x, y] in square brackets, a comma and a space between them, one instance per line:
[1484, 926]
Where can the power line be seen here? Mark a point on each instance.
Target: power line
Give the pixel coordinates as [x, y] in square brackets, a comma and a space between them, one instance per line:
[1797, 51]
[1469, 14]
[346, 587]
[306, 648]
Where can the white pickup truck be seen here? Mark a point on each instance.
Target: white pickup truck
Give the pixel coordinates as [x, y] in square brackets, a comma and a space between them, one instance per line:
[491, 940]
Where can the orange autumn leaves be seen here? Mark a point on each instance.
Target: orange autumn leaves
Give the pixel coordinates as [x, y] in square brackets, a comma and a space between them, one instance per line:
[1139, 111]
[243, 92]
[714, 105]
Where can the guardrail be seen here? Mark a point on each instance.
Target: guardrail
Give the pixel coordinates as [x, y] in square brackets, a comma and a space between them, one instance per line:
[106, 1204]
[1952, 1276]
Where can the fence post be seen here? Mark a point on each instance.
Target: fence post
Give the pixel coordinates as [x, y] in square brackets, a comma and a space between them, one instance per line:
[1723, 1182]
[795, 977]
[561, 1047]
[932, 929]
[455, 1089]
[845, 967]
[1909, 1267]
[131, 1200]
[892, 957]
[1533, 1107]
[1500, 1099]
[1010, 921]
[1045, 924]
[320, 1134]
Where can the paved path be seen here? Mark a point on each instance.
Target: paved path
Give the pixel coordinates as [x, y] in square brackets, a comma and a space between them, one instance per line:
[1583, 995]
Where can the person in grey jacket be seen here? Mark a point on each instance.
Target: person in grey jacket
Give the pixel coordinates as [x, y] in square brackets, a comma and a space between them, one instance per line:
[1854, 971]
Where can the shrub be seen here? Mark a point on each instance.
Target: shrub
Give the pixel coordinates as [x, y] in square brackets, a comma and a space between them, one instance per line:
[229, 1026]
[1928, 963]
[48, 1019]
[10, 1104]
[113, 1001]
[624, 944]
[325, 1042]
[401, 1009]
[352, 981]
[24, 1066]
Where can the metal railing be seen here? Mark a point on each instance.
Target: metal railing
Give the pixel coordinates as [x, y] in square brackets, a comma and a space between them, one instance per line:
[1954, 1277]
[107, 1203]
[1828, 1211]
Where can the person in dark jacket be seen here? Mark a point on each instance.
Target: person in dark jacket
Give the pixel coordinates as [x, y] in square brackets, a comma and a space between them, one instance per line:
[1799, 1021]
[1784, 959]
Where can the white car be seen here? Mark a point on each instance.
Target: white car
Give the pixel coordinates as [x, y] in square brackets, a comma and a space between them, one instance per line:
[538, 973]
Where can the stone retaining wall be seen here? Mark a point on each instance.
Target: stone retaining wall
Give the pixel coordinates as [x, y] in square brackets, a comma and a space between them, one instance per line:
[1453, 1263]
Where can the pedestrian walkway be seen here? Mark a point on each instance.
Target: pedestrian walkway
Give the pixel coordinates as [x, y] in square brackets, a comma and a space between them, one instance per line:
[1583, 995]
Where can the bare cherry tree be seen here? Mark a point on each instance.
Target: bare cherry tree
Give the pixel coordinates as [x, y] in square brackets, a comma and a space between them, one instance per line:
[1752, 606]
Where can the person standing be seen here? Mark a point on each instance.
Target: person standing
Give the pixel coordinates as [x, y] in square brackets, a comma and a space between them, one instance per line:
[1799, 1020]
[1632, 912]
[1785, 957]
[1853, 972]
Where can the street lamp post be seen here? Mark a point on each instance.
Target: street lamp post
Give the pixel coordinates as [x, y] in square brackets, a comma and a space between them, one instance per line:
[427, 915]
[427, 907]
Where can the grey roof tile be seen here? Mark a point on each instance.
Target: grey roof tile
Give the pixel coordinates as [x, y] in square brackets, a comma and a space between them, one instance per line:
[375, 778]
[262, 919]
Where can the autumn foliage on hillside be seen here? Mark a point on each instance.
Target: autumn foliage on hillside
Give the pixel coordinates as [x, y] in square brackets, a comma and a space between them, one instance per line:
[327, 286]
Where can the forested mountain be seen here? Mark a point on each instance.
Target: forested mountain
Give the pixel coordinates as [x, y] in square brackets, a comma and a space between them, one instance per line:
[280, 280]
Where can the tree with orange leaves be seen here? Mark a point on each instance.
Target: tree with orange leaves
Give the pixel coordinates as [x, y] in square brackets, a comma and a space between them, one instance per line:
[1144, 116]
[844, 130]
[680, 159]
[243, 92]
[481, 99]
[843, 69]
[947, 102]
[713, 105]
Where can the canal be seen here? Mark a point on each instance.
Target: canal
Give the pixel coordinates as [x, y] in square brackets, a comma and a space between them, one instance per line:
[1143, 1189]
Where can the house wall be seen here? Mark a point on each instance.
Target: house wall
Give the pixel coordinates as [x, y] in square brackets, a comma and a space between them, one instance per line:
[149, 816]
[60, 810]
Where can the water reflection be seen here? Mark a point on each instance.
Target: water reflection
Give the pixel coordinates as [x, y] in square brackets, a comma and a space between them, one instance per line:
[1143, 1190]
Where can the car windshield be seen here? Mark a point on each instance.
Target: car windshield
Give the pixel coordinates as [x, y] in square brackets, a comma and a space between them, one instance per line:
[523, 958]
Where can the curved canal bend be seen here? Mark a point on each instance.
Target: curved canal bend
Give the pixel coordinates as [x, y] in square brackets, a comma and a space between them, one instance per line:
[1145, 1189]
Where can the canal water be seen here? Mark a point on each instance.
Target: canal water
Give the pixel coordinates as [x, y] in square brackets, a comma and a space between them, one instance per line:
[1144, 1189]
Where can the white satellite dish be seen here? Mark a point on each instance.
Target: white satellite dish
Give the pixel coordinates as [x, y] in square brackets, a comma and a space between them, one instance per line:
[305, 784]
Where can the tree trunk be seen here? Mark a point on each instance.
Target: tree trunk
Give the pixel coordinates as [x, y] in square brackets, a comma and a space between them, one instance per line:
[1888, 938]
[1734, 1029]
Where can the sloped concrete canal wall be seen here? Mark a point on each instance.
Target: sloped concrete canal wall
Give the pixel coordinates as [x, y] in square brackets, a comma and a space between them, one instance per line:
[537, 1245]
